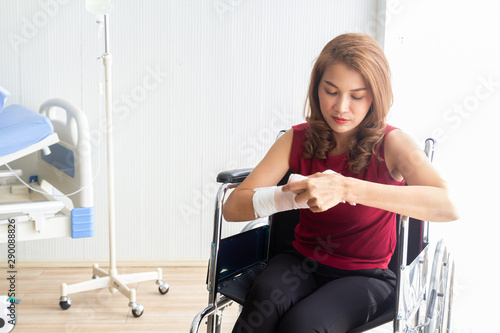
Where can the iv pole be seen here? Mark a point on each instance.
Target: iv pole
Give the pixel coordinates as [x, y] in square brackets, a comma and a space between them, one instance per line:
[101, 278]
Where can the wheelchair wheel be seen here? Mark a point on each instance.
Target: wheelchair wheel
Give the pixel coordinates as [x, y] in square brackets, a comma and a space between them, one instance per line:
[440, 292]
[449, 297]
[255, 224]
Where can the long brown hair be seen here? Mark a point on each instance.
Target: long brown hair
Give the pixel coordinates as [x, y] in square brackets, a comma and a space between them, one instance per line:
[363, 54]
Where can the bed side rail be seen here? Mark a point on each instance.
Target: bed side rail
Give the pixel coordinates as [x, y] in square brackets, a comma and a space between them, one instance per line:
[68, 168]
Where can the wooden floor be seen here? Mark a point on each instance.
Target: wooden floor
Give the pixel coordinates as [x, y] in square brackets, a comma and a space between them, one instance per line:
[101, 311]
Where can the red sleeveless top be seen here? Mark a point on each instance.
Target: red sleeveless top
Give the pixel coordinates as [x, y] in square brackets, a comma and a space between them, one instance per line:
[346, 237]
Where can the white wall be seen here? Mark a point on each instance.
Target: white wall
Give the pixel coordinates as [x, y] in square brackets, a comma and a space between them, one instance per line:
[445, 59]
[199, 87]
[203, 86]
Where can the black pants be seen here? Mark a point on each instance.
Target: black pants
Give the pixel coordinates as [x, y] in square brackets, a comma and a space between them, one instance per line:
[297, 294]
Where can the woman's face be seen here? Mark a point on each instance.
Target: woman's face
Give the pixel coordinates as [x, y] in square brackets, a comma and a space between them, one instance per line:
[344, 98]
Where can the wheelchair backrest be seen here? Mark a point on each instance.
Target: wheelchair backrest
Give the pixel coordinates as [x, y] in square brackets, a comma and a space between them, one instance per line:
[282, 227]
[415, 245]
[282, 231]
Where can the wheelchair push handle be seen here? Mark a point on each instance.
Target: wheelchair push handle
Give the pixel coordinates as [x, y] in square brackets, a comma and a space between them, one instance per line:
[430, 145]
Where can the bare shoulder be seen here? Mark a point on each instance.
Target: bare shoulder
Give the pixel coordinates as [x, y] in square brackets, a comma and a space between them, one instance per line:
[273, 166]
[287, 136]
[406, 159]
[399, 140]
[400, 149]
[279, 153]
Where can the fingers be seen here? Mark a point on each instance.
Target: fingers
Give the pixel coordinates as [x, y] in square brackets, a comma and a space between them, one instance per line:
[295, 177]
[303, 197]
[296, 182]
[316, 207]
[295, 186]
[321, 191]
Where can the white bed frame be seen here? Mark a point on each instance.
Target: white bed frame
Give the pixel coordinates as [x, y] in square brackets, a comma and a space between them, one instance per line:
[49, 214]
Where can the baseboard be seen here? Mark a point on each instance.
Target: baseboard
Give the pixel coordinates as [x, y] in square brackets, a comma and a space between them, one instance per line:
[121, 263]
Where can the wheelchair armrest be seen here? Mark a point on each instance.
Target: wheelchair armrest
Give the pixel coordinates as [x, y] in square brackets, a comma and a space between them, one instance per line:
[237, 287]
[233, 176]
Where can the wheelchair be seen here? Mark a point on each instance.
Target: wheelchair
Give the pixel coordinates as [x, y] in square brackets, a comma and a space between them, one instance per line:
[424, 294]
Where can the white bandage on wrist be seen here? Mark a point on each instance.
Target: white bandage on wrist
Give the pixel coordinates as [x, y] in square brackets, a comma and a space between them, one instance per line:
[270, 200]
[286, 200]
[295, 177]
[263, 201]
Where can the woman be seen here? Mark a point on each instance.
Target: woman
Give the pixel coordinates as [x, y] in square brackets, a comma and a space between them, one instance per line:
[352, 165]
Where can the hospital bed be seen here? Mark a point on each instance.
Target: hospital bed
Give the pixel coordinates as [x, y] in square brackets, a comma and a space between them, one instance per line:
[58, 200]
[424, 292]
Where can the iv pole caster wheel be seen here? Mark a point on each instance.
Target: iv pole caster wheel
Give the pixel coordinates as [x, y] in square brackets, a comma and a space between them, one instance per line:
[163, 288]
[137, 309]
[65, 302]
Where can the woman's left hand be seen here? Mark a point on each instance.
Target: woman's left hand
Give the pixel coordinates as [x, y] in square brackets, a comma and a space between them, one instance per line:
[321, 191]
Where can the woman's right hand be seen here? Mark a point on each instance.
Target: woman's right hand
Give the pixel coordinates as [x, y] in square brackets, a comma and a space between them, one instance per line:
[321, 191]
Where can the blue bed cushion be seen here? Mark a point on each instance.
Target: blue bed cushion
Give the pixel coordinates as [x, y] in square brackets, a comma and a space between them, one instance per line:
[21, 127]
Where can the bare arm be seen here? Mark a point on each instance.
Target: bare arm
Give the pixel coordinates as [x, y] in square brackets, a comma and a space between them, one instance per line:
[426, 197]
[272, 168]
